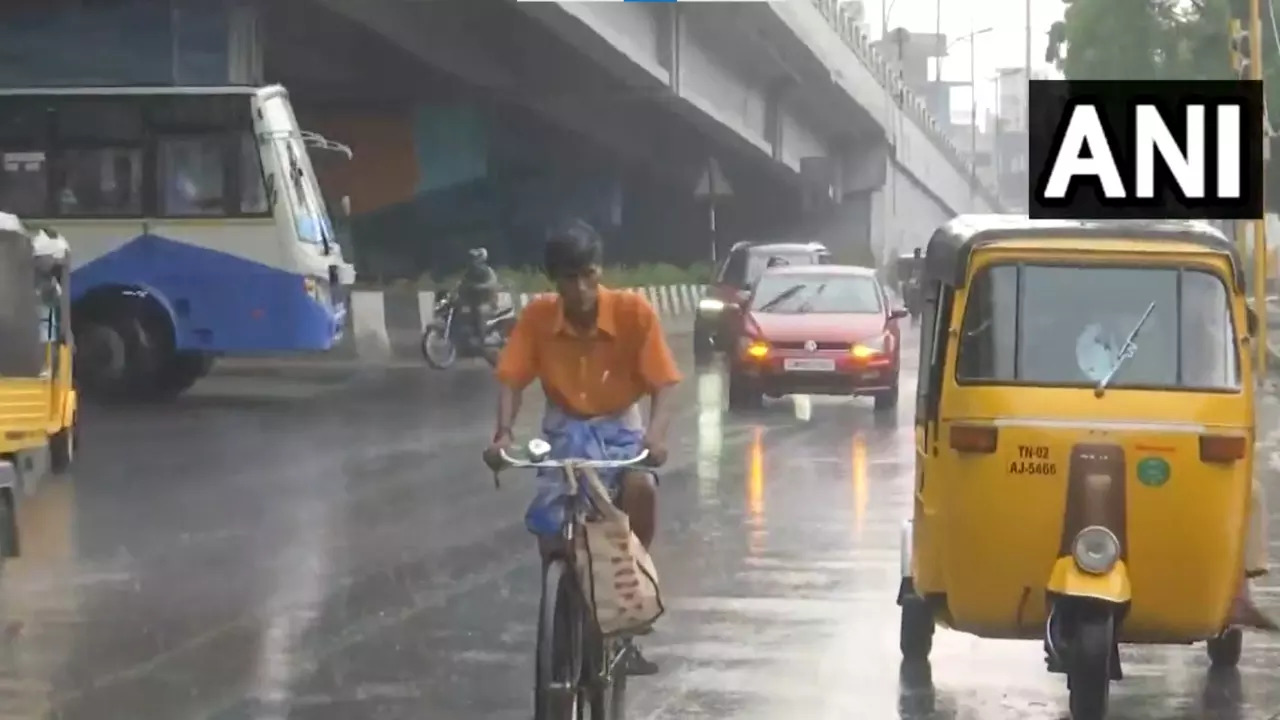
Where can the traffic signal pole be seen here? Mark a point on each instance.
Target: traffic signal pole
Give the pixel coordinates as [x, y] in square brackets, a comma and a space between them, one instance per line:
[1260, 224]
[1246, 63]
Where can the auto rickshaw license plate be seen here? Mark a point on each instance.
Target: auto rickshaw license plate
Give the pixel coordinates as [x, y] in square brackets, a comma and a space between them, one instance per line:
[1032, 459]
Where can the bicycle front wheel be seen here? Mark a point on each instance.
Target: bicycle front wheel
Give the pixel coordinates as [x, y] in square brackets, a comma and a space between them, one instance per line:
[559, 655]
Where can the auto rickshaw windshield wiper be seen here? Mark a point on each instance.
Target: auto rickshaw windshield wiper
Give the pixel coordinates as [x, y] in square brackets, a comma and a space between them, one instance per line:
[1126, 351]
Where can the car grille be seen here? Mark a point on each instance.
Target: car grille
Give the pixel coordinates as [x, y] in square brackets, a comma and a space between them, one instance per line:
[821, 345]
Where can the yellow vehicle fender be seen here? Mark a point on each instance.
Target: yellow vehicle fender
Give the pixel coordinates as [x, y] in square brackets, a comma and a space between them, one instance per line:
[70, 406]
[1069, 580]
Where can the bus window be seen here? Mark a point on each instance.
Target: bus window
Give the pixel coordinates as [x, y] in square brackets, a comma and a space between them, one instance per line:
[97, 155]
[105, 181]
[192, 175]
[97, 121]
[24, 181]
[24, 165]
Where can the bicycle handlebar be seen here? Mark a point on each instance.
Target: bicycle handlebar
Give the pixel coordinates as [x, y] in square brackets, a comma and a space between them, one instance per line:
[598, 464]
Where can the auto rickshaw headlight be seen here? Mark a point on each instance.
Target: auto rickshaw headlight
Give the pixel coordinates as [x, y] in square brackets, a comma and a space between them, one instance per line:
[1096, 550]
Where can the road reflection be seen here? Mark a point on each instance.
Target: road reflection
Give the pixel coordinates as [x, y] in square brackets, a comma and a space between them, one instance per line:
[802, 405]
[41, 600]
[755, 493]
[710, 436]
[858, 465]
[294, 604]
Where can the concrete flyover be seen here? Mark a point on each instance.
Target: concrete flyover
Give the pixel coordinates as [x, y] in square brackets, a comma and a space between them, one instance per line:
[797, 82]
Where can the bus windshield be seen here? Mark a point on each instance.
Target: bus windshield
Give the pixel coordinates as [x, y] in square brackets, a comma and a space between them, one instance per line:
[300, 186]
[1067, 326]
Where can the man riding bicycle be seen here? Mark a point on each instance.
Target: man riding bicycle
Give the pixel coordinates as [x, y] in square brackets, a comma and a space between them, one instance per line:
[597, 352]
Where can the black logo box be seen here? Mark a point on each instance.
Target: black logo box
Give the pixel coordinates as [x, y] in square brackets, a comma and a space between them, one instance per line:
[1051, 102]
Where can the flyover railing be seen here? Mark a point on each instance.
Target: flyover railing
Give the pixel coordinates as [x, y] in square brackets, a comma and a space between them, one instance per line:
[911, 104]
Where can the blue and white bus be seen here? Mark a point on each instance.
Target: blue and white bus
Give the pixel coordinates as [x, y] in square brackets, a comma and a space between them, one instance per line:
[196, 223]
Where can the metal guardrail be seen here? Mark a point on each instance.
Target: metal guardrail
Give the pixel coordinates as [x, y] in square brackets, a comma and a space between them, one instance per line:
[904, 97]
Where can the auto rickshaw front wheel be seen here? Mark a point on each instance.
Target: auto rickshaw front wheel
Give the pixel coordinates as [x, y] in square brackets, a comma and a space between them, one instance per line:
[915, 634]
[1225, 650]
[1092, 650]
[62, 448]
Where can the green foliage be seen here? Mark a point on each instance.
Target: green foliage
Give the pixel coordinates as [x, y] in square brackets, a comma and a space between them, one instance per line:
[1154, 40]
[529, 280]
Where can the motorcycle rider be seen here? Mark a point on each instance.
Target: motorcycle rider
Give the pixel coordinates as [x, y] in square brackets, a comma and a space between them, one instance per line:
[478, 291]
[912, 292]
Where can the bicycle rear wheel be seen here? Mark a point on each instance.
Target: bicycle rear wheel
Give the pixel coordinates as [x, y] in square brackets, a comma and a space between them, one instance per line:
[559, 654]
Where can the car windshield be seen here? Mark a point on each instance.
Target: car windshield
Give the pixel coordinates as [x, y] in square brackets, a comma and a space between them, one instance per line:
[794, 294]
[1057, 325]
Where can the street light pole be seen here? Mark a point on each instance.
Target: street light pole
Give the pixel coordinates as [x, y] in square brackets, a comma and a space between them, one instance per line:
[937, 36]
[1260, 224]
[973, 103]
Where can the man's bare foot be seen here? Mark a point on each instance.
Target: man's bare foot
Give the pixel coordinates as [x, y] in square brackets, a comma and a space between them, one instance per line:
[1245, 614]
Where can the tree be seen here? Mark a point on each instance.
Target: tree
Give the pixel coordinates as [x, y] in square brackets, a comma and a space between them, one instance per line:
[1154, 40]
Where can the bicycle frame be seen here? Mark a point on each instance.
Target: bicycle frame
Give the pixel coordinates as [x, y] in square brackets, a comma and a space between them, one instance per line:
[599, 658]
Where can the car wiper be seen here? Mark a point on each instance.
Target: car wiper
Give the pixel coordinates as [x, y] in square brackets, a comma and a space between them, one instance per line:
[780, 297]
[807, 305]
[1127, 351]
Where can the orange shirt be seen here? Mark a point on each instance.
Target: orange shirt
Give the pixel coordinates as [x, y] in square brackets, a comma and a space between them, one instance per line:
[599, 373]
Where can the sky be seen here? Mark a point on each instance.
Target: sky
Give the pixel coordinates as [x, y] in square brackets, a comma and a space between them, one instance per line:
[1003, 46]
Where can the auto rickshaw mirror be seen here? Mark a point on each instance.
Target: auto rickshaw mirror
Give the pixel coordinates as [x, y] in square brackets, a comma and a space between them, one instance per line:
[898, 313]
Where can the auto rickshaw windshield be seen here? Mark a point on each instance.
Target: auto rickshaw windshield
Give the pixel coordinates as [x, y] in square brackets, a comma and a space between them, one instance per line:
[1060, 325]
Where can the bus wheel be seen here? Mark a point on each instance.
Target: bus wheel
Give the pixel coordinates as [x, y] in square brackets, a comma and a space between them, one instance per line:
[178, 373]
[111, 358]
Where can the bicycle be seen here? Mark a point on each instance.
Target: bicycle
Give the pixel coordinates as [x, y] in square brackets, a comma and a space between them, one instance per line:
[578, 670]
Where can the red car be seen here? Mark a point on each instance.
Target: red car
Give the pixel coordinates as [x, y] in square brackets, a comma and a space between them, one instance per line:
[817, 329]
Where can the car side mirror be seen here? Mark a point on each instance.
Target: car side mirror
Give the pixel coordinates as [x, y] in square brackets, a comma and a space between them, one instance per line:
[898, 313]
[1251, 322]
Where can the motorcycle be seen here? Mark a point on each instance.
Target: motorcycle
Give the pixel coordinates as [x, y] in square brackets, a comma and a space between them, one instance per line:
[450, 335]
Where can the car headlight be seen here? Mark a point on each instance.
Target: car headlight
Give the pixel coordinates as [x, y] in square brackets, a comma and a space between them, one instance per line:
[710, 306]
[1095, 550]
[870, 347]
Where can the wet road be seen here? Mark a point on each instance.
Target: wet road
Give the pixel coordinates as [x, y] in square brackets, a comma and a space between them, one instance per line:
[329, 548]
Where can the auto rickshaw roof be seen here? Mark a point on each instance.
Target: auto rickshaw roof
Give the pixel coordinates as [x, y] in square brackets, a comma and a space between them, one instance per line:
[949, 249]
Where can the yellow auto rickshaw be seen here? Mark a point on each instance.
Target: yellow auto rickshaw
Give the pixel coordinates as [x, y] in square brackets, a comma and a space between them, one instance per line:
[1084, 442]
[37, 397]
